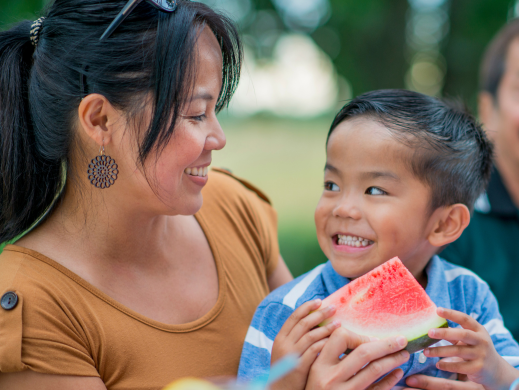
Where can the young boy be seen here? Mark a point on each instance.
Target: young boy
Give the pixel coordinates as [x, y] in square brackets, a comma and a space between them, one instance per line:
[402, 173]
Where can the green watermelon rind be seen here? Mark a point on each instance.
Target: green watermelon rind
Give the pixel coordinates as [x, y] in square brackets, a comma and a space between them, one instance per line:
[422, 342]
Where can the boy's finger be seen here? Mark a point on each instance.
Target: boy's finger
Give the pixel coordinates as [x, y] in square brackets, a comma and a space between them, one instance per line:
[463, 351]
[467, 336]
[466, 321]
[301, 312]
[388, 381]
[374, 370]
[340, 341]
[455, 366]
[307, 323]
[313, 336]
[370, 352]
[308, 358]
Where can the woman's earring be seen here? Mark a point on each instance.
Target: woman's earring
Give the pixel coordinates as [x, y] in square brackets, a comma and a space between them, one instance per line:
[102, 170]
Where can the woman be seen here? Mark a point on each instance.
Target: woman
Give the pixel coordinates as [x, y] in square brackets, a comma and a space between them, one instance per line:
[120, 285]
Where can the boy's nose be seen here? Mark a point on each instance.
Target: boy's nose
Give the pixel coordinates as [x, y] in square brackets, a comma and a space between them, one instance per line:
[347, 210]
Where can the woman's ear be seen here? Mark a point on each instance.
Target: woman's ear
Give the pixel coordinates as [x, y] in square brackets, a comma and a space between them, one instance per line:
[96, 116]
[450, 223]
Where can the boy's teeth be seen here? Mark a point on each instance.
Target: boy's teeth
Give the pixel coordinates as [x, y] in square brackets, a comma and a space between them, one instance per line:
[202, 172]
[353, 241]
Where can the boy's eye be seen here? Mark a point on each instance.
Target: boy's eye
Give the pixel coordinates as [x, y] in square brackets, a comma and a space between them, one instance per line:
[375, 191]
[330, 186]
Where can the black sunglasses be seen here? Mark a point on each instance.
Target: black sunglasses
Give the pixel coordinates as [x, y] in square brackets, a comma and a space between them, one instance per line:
[163, 5]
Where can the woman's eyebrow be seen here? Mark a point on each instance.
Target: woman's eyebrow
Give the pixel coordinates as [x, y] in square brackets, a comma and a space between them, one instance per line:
[203, 96]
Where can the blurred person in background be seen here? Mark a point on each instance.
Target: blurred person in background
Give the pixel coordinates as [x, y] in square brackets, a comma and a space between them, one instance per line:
[490, 244]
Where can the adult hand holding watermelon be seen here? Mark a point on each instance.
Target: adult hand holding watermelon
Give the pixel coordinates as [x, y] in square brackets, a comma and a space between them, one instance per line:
[368, 361]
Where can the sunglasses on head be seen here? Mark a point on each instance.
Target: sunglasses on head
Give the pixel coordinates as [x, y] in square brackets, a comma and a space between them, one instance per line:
[162, 5]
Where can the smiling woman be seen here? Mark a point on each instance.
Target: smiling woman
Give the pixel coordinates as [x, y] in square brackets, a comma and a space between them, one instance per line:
[123, 279]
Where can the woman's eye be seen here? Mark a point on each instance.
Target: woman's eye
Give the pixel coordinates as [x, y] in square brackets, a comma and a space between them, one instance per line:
[375, 191]
[329, 186]
[198, 118]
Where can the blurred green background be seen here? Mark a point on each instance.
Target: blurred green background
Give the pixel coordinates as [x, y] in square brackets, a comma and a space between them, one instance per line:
[304, 59]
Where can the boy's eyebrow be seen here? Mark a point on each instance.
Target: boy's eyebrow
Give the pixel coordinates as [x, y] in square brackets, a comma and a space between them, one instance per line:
[377, 174]
[329, 167]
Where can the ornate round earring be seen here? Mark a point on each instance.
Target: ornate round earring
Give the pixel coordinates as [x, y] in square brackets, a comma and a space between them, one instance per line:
[102, 170]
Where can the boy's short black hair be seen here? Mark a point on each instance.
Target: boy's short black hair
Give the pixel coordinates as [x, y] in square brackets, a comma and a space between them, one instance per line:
[451, 152]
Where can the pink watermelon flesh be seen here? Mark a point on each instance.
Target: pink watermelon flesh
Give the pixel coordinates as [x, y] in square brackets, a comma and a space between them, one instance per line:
[385, 302]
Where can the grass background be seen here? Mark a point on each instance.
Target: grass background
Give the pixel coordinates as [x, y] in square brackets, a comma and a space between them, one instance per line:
[285, 159]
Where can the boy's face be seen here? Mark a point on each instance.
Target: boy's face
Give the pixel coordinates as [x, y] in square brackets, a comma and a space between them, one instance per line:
[372, 208]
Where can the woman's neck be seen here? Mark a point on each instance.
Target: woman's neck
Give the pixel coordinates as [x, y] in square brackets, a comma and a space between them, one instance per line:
[96, 225]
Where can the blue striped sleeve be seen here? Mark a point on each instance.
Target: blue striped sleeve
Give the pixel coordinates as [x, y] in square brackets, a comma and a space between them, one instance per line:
[270, 316]
[266, 324]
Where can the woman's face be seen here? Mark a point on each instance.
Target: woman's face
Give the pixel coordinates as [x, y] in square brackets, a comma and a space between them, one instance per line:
[176, 175]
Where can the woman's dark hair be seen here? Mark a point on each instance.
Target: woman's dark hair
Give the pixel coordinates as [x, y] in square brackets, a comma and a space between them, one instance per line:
[450, 152]
[494, 60]
[151, 54]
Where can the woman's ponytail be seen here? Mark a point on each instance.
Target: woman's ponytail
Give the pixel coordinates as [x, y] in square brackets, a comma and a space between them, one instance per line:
[28, 184]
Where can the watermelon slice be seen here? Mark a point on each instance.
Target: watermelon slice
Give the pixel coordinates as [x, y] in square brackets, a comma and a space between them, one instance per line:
[387, 301]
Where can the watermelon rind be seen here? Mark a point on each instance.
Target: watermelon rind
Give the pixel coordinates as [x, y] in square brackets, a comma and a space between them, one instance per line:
[422, 342]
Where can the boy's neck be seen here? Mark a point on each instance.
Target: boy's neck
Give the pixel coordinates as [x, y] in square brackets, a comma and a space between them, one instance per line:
[422, 278]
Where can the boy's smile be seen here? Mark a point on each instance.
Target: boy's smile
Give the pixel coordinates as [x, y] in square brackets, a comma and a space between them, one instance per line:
[372, 208]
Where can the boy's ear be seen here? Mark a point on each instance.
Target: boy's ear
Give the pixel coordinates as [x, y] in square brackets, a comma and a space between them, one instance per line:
[449, 223]
[96, 115]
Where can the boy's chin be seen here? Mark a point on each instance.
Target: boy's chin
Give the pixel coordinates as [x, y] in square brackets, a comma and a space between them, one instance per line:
[353, 268]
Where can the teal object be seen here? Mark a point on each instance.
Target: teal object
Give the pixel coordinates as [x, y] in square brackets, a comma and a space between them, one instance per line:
[277, 371]
[515, 385]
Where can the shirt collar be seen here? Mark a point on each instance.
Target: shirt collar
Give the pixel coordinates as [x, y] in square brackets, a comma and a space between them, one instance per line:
[437, 287]
[331, 279]
[496, 200]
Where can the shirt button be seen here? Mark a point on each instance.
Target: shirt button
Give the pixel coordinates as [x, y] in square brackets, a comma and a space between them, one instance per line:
[9, 300]
[422, 358]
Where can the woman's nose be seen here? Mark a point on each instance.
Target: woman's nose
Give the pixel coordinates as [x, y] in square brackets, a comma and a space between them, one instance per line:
[216, 139]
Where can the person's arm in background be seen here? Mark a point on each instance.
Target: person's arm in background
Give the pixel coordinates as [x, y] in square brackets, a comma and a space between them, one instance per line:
[280, 276]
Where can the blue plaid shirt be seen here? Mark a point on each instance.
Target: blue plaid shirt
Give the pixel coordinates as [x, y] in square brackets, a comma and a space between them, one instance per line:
[448, 285]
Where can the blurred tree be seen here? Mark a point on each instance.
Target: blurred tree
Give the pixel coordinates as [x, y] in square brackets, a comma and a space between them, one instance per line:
[14, 11]
[473, 23]
[366, 40]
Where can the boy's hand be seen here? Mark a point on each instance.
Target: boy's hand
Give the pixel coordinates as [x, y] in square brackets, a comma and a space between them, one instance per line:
[479, 359]
[425, 382]
[300, 336]
[362, 367]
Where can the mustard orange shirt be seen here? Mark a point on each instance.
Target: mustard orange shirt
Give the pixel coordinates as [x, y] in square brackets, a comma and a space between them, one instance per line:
[63, 325]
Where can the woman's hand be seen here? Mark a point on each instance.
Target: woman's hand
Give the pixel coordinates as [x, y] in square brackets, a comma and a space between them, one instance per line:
[362, 367]
[301, 336]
